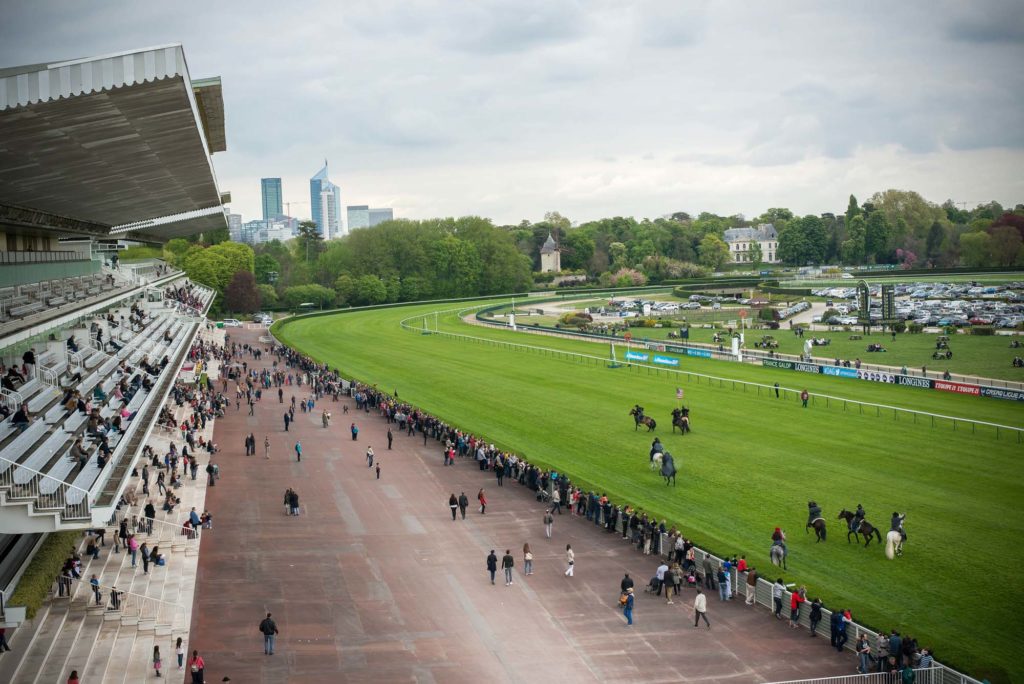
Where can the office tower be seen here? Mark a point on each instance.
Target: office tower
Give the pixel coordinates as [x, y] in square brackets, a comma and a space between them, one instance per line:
[381, 215]
[272, 198]
[325, 205]
[358, 216]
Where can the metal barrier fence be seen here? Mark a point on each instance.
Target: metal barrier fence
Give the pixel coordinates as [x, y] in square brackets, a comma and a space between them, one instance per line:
[21, 257]
[924, 675]
[935, 419]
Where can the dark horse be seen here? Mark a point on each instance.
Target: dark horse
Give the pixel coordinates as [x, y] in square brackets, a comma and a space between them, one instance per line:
[865, 528]
[681, 420]
[668, 468]
[638, 415]
[818, 524]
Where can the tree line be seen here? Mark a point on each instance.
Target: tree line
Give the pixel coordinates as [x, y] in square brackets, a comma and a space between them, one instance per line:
[407, 260]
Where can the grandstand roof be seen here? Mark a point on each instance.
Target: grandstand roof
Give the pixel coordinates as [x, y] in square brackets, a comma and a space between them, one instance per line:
[111, 141]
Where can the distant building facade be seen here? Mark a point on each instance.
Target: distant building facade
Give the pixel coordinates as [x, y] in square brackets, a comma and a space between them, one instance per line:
[325, 205]
[235, 227]
[260, 231]
[550, 257]
[273, 199]
[358, 216]
[381, 215]
[741, 240]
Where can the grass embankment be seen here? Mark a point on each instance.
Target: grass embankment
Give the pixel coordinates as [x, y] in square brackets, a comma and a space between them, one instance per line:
[751, 463]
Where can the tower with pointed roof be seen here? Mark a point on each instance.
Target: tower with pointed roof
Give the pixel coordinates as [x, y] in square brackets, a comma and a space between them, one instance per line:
[325, 205]
[550, 257]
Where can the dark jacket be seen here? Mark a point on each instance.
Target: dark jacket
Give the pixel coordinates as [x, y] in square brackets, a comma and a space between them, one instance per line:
[268, 627]
[492, 562]
[626, 583]
[507, 561]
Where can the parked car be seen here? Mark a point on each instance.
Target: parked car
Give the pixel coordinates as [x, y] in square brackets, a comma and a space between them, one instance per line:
[232, 323]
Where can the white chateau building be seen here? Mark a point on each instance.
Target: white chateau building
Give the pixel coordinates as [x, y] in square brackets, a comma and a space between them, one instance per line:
[740, 241]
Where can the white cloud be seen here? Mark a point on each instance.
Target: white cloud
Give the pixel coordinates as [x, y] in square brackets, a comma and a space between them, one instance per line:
[593, 108]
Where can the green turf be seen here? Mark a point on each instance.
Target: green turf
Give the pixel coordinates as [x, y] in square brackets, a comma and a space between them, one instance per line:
[750, 464]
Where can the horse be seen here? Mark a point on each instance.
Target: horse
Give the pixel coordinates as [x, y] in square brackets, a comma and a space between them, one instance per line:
[681, 420]
[893, 544]
[668, 468]
[865, 528]
[638, 416]
[778, 555]
[656, 461]
[819, 529]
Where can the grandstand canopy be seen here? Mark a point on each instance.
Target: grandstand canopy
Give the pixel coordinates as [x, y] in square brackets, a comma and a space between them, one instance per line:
[117, 140]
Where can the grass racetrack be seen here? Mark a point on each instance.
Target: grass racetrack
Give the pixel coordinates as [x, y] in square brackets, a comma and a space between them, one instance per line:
[751, 463]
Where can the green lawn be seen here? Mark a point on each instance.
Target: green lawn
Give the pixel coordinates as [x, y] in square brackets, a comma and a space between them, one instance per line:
[751, 463]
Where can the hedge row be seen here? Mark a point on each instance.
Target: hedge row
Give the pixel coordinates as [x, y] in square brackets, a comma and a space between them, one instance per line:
[34, 586]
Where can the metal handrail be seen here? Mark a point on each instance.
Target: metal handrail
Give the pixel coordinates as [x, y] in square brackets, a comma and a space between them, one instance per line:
[129, 604]
[56, 500]
[138, 521]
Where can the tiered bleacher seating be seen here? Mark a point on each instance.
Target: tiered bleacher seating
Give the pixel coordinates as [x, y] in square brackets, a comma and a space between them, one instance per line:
[25, 300]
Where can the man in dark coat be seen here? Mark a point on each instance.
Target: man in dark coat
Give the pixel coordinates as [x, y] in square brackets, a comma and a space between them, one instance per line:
[492, 565]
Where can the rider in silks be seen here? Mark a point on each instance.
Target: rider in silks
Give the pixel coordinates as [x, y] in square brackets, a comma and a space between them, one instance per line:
[779, 539]
[858, 518]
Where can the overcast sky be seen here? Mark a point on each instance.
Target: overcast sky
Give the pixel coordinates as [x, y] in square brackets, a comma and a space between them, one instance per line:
[591, 108]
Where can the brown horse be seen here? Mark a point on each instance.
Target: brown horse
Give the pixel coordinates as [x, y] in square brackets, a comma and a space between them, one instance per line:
[681, 420]
[865, 528]
[818, 525]
[638, 416]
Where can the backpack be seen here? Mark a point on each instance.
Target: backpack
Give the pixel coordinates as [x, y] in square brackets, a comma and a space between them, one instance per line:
[624, 599]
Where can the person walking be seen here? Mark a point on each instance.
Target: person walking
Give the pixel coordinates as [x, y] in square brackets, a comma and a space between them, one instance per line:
[453, 504]
[157, 663]
[94, 582]
[369, 457]
[390, 437]
[355, 432]
[483, 501]
[298, 451]
[268, 628]
[570, 559]
[179, 650]
[549, 521]
[287, 420]
[492, 564]
[463, 504]
[669, 583]
[266, 446]
[700, 608]
[4, 646]
[507, 562]
[197, 667]
[627, 605]
[752, 587]
[378, 470]
[527, 559]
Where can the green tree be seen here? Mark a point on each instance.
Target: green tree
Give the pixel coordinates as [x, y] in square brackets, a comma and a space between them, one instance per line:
[852, 209]
[344, 288]
[713, 251]
[456, 267]
[774, 215]
[933, 244]
[976, 249]
[617, 253]
[240, 256]
[210, 268]
[1006, 242]
[175, 250]
[268, 296]
[267, 269]
[755, 254]
[369, 289]
[853, 246]
[876, 238]
[315, 294]
[308, 241]
[577, 250]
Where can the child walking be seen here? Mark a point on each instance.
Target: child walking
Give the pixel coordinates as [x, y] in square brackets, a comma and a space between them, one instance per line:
[156, 660]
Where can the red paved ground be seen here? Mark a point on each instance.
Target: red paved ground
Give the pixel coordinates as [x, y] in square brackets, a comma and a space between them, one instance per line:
[374, 582]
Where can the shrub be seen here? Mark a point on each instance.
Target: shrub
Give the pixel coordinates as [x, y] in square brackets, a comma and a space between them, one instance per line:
[34, 586]
[915, 328]
[899, 326]
[983, 330]
[574, 318]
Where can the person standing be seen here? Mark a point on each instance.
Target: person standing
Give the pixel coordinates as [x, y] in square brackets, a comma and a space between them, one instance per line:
[483, 501]
[815, 616]
[549, 521]
[463, 504]
[355, 432]
[627, 607]
[287, 420]
[266, 446]
[453, 504]
[527, 559]
[700, 608]
[795, 599]
[268, 628]
[804, 396]
[369, 457]
[556, 501]
[157, 663]
[378, 470]
[570, 559]
[298, 451]
[669, 583]
[776, 390]
[752, 586]
[179, 650]
[492, 562]
[4, 646]
[507, 562]
[94, 582]
[863, 654]
[390, 437]
[777, 590]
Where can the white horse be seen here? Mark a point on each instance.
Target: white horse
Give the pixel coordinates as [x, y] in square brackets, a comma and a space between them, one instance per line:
[893, 544]
[656, 462]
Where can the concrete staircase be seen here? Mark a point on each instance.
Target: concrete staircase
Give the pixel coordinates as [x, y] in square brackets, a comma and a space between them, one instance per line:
[117, 646]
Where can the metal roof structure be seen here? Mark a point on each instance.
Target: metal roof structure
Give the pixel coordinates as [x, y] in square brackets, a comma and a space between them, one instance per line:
[764, 231]
[117, 140]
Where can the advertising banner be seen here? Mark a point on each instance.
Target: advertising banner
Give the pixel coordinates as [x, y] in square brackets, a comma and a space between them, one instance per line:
[636, 356]
[666, 360]
[775, 363]
[957, 387]
[807, 367]
[699, 353]
[876, 376]
[655, 346]
[839, 371]
[1000, 393]
[908, 381]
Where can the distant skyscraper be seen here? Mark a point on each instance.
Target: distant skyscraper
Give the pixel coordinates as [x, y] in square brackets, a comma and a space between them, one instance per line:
[272, 198]
[235, 227]
[325, 205]
[381, 215]
[358, 216]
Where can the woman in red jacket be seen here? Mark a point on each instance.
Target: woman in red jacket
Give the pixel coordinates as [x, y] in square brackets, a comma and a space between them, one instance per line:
[798, 597]
[483, 501]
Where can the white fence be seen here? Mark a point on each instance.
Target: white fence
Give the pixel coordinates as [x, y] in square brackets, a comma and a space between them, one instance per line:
[924, 675]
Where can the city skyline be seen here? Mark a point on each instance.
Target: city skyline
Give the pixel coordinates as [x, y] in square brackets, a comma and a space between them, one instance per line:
[593, 110]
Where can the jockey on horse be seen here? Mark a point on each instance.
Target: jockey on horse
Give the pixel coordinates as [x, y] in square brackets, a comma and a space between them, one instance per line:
[813, 512]
[858, 518]
[896, 524]
[656, 448]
